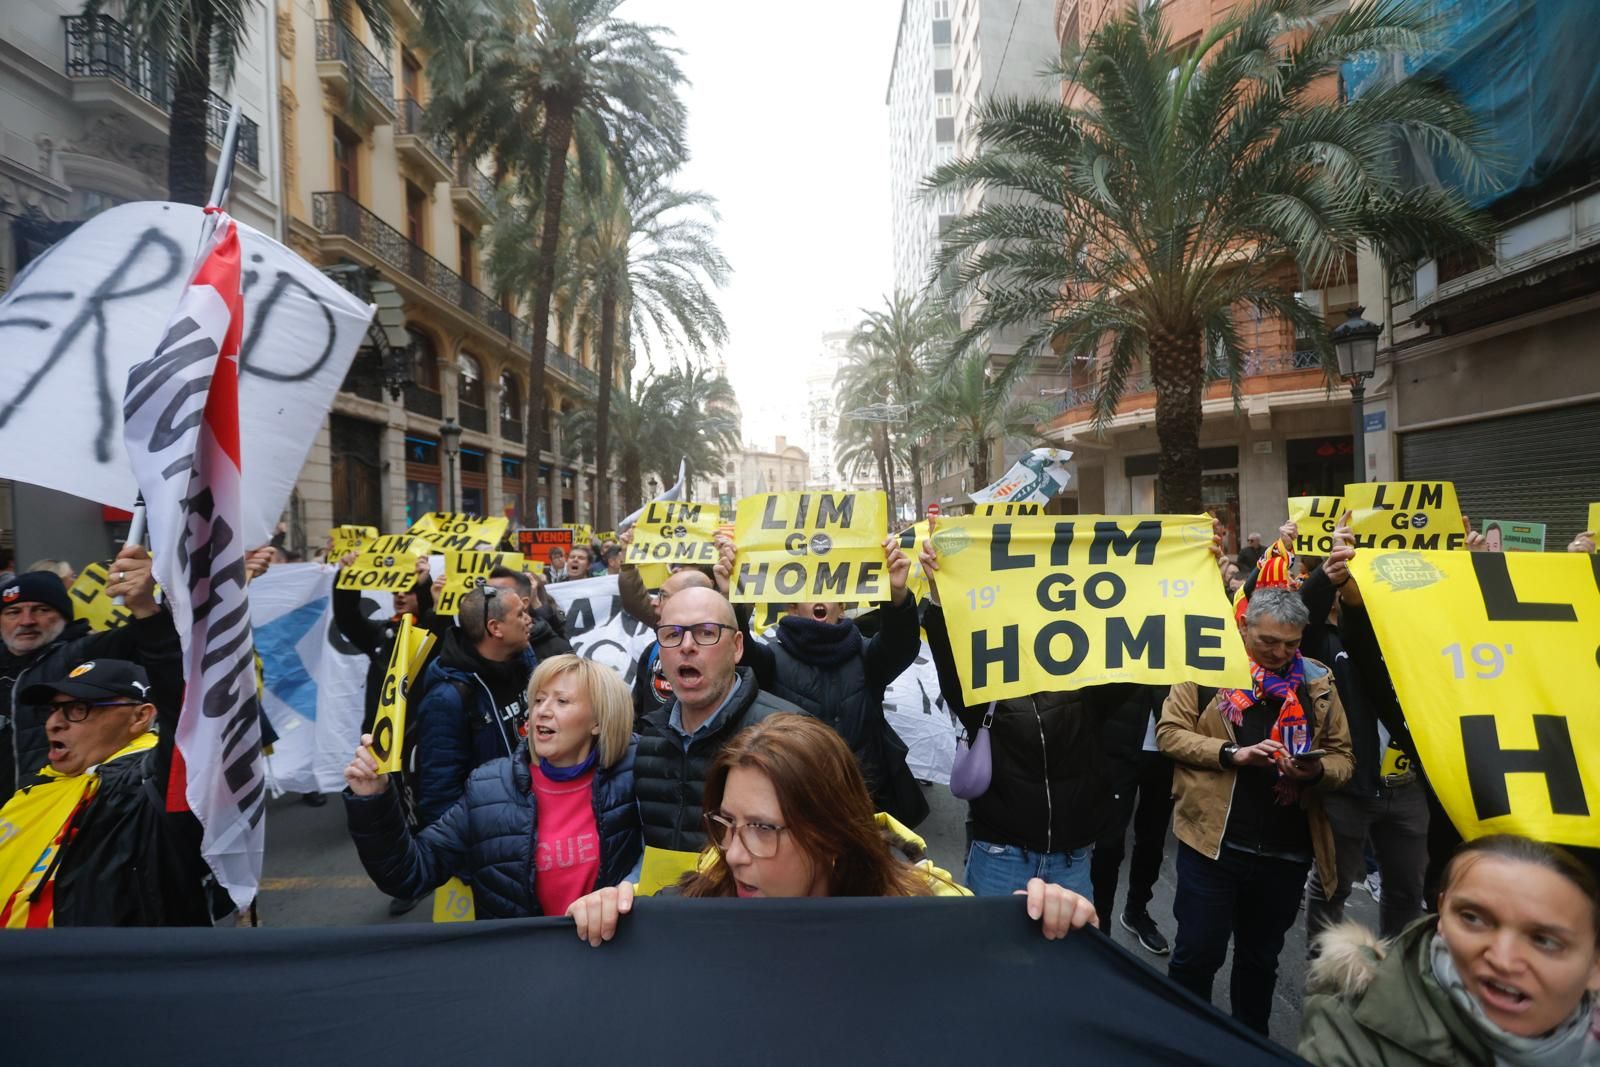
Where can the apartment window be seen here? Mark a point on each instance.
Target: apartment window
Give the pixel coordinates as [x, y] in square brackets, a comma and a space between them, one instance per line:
[346, 149]
[410, 75]
[471, 375]
[416, 214]
[941, 32]
[944, 130]
[943, 56]
[944, 81]
[424, 362]
[467, 253]
[941, 9]
[944, 107]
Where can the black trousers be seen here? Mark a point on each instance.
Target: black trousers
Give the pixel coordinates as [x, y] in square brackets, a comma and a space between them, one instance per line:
[1149, 809]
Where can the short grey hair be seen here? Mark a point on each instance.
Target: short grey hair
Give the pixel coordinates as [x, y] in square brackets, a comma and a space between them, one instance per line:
[474, 616]
[1283, 605]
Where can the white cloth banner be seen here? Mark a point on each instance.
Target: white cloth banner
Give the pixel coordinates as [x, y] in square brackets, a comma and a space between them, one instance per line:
[1033, 479]
[918, 713]
[181, 426]
[80, 316]
[313, 680]
[598, 627]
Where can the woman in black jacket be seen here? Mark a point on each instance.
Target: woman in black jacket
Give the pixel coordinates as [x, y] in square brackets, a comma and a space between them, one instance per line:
[375, 639]
[1060, 761]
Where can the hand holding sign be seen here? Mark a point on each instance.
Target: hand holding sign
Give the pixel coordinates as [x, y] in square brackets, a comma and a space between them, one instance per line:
[361, 774]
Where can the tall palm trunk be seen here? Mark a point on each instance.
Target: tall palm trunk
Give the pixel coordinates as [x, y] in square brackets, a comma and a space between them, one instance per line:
[602, 414]
[1179, 373]
[916, 479]
[980, 463]
[557, 139]
[186, 129]
[881, 448]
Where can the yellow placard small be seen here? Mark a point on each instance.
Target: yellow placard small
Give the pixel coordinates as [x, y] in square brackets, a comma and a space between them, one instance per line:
[811, 547]
[379, 572]
[452, 903]
[411, 647]
[91, 603]
[465, 571]
[451, 531]
[663, 867]
[1315, 517]
[1420, 516]
[351, 538]
[1594, 520]
[673, 533]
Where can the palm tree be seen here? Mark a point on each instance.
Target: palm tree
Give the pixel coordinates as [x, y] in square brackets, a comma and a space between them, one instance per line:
[1135, 225]
[906, 335]
[638, 266]
[703, 424]
[528, 91]
[195, 36]
[863, 388]
[969, 409]
[638, 421]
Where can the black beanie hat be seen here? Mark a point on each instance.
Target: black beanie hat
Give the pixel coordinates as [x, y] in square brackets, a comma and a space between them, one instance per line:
[37, 587]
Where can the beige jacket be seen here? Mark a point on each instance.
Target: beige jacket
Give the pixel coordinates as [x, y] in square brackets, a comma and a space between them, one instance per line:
[1203, 788]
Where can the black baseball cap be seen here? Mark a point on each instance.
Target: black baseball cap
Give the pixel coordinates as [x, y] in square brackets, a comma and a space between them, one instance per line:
[95, 679]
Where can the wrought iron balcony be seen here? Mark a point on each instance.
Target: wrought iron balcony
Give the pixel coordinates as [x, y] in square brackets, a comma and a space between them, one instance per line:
[99, 47]
[424, 401]
[473, 418]
[345, 63]
[472, 189]
[511, 429]
[1256, 365]
[433, 152]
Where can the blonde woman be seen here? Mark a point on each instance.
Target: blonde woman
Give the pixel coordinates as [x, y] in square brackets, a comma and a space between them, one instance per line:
[532, 833]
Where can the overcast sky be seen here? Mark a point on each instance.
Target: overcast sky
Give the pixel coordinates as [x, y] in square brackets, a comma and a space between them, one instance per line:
[789, 131]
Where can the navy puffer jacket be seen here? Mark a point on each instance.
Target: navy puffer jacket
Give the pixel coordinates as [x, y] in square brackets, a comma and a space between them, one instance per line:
[487, 838]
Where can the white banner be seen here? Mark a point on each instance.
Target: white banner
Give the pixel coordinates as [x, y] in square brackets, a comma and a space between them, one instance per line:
[314, 680]
[80, 316]
[918, 713]
[1033, 479]
[598, 627]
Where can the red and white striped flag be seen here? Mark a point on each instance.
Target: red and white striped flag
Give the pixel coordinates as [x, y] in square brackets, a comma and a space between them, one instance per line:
[181, 425]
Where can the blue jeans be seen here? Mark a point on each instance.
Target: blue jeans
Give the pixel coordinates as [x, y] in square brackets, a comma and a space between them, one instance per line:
[1248, 899]
[999, 870]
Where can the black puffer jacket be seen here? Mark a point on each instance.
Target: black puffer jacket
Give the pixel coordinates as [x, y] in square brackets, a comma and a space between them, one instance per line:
[23, 745]
[1059, 759]
[832, 672]
[672, 782]
[488, 837]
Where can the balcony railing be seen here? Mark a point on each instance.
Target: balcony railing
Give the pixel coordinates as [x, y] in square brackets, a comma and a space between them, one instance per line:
[1255, 365]
[336, 42]
[342, 215]
[474, 418]
[101, 47]
[424, 401]
[412, 121]
[511, 430]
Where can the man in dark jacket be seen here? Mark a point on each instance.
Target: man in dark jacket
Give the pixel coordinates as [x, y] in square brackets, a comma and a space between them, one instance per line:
[473, 701]
[42, 640]
[87, 837]
[544, 638]
[714, 700]
[818, 660]
[651, 690]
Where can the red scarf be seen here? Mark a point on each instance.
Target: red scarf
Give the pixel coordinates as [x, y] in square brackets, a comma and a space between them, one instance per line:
[1292, 730]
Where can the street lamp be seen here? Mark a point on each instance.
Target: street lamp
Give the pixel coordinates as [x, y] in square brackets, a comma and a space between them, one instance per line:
[450, 437]
[1355, 345]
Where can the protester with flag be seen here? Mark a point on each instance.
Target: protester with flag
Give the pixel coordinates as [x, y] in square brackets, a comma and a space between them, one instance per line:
[534, 831]
[87, 840]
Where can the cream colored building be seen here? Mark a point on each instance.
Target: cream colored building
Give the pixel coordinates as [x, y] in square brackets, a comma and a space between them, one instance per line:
[365, 184]
[784, 468]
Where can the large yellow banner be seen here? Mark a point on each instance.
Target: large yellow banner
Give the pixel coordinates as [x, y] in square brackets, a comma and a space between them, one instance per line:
[1422, 516]
[1315, 517]
[1042, 603]
[451, 531]
[670, 532]
[465, 571]
[809, 547]
[410, 652]
[1494, 659]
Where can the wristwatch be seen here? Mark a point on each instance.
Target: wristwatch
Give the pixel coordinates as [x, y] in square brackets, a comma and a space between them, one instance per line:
[1225, 757]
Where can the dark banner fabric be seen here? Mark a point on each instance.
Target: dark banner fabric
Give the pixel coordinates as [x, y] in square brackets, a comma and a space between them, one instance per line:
[835, 982]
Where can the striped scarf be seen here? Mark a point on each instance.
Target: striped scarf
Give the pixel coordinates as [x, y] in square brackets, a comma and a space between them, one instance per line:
[1293, 728]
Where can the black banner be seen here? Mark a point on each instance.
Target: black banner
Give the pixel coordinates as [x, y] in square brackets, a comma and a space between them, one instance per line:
[966, 981]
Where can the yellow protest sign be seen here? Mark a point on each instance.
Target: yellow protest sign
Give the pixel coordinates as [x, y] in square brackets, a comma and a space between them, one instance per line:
[350, 538]
[1042, 603]
[411, 646]
[451, 531]
[662, 867]
[582, 533]
[1316, 517]
[1594, 520]
[911, 539]
[380, 572]
[1421, 516]
[1493, 657]
[809, 547]
[670, 532]
[1007, 510]
[91, 603]
[465, 571]
[452, 903]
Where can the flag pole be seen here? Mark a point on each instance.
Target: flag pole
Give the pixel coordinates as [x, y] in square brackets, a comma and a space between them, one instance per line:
[223, 183]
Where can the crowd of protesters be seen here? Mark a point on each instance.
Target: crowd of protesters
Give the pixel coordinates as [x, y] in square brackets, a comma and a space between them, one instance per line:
[747, 766]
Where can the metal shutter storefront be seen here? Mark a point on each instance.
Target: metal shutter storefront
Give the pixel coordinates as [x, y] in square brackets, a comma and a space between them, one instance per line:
[1537, 467]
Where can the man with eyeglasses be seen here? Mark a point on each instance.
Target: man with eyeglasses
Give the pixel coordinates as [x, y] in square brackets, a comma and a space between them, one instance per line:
[472, 703]
[713, 699]
[87, 840]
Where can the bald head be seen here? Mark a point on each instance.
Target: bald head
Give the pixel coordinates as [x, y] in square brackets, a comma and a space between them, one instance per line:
[697, 603]
[678, 581]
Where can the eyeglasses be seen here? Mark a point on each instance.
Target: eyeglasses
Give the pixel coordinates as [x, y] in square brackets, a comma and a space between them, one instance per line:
[760, 838]
[705, 633]
[78, 710]
[489, 593]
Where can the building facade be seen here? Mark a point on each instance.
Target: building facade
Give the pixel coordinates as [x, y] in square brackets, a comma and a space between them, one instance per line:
[784, 468]
[84, 118]
[367, 185]
[922, 135]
